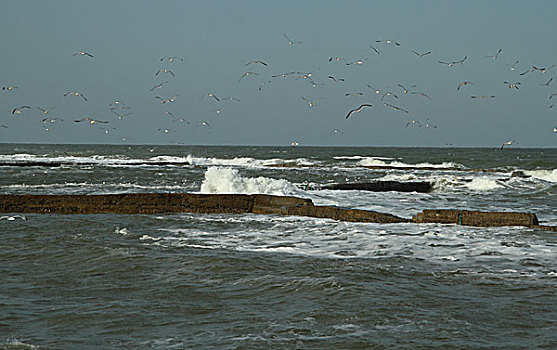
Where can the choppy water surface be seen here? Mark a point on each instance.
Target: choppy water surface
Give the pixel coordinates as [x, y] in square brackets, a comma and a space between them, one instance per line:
[251, 281]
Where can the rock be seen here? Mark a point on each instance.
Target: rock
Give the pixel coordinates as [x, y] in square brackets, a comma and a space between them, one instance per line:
[379, 186]
[476, 218]
[520, 173]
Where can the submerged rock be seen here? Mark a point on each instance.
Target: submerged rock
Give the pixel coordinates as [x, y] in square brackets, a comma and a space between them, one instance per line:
[379, 186]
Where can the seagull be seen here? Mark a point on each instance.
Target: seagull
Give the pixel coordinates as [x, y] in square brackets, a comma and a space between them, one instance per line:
[420, 55]
[9, 88]
[75, 93]
[508, 143]
[482, 97]
[543, 70]
[496, 55]
[107, 130]
[358, 110]
[551, 96]
[464, 83]
[172, 59]
[513, 67]
[14, 217]
[164, 130]
[334, 79]
[164, 71]
[18, 110]
[159, 85]
[388, 94]
[51, 120]
[354, 94]
[555, 129]
[90, 120]
[413, 122]
[204, 123]
[358, 62]
[290, 42]
[283, 75]
[247, 74]
[395, 108]
[512, 85]
[377, 52]
[210, 94]
[82, 53]
[256, 62]
[45, 110]
[4, 126]
[337, 132]
[405, 90]
[120, 116]
[528, 71]
[388, 42]
[377, 91]
[336, 59]
[428, 125]
[548, 82]
[168, 100]
[421, 94]
[310, 103]
[233, 99]
[450, 64]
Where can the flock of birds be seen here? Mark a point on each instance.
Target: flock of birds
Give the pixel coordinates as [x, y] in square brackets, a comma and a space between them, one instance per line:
[388, 97]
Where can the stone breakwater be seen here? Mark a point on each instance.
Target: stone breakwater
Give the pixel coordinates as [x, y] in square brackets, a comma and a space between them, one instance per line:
[158, 203]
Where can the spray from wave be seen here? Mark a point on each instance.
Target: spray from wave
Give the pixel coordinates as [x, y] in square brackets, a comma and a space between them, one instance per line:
[228, 180]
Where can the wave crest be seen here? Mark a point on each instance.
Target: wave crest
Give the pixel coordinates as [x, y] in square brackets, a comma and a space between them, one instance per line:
[228, 180]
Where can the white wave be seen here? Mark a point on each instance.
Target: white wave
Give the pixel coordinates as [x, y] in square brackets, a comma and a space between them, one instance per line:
[546, 175]
[374, 161]
[361, 157]
[228, 180]
[246, 161]
[483, 184]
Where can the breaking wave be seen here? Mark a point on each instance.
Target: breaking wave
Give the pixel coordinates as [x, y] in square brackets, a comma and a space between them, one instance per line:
[228, 180]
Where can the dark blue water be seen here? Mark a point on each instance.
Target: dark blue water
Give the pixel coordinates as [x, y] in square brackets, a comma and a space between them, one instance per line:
[182, 281]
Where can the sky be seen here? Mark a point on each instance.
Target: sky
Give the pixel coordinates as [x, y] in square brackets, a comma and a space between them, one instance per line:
[216, 39]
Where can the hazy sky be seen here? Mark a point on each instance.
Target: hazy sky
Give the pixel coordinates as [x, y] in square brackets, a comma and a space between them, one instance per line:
[217, 38]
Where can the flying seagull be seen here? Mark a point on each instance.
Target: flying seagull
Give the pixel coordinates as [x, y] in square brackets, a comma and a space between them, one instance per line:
[14, 217]
[82, 53]
[164, 71]
[413, 122]
[76, 93]
[482, 97]
[172, 59]
[309, 103]
[377, 52]
[421, 94]
[335, 80]
[508, 143]
[45, 110]
[450, 64]
[420, 55]
[9, 88]
[358, 110]
[158, 86]
[168, 100]
[548, 82]
[496, 55]
[512, 85]
[464, 83]
[544, 69]
[290, 42]
[388, 94]
[388, 42]
[395, 107]
[513, 66]
[90, 120]
[247, 74]
[210, 94]
[18, 110]
[120, 116]
[256, 62]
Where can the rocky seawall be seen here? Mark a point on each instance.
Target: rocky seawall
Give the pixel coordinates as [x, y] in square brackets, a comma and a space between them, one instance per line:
[157, 203]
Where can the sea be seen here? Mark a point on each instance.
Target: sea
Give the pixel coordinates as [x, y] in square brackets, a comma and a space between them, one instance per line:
[247, 281]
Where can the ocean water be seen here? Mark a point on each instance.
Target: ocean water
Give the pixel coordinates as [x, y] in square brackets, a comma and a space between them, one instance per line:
[224, 281]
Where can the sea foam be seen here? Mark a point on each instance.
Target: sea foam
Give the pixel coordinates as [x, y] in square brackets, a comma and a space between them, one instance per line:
[546, 175]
